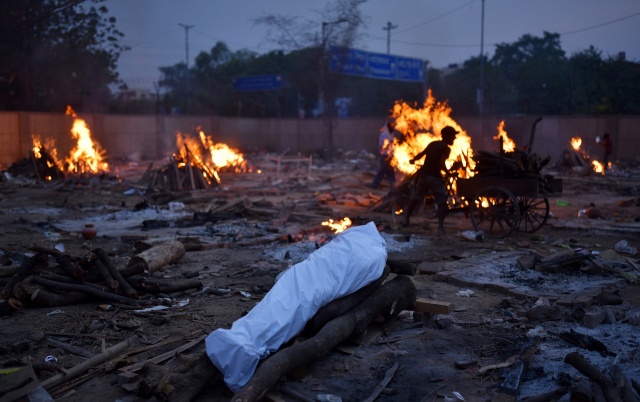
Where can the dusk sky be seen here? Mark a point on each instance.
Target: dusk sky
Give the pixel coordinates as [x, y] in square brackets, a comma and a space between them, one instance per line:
[442, 32]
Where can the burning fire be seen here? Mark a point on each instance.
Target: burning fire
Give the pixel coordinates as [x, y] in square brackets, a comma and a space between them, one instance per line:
[576, 142]
[508, 144]
[87, 156]
[338, 227]
[220, 155]
[597, 167]
[415, 125]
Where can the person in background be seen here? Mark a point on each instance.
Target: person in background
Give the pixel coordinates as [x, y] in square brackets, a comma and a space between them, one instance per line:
[608, 148]
[385, 144]
[430, 175]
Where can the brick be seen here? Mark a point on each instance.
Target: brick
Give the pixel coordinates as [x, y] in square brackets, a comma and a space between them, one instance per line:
[545, 313]
[583, 301]
[127, 378]
[432, 306]
[593, 318]
[566, 300]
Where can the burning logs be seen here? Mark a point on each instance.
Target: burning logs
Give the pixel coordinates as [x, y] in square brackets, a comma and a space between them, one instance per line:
[39, 165]
[184, 172]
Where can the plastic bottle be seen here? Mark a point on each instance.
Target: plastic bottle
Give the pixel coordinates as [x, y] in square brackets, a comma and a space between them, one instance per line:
[563, 203]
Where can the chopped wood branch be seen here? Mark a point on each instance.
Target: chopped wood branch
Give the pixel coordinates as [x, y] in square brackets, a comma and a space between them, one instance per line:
[582, 365]
[102, 256]
[84, 289]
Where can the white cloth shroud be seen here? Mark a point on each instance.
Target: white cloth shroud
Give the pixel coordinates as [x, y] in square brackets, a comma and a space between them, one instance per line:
[355, 258]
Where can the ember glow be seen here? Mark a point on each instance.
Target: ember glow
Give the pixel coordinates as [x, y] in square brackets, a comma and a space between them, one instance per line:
[576, 142]
[338, 227]
[421, 127]
[507, 143]
[597, 167]
[87, 156]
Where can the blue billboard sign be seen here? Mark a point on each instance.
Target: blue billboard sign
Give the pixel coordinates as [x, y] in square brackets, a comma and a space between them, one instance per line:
[257, 83]
[375, 65]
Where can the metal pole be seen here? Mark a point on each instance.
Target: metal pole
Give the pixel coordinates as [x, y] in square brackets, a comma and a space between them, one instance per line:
[186, 48]
[388, 28]
[481, 90]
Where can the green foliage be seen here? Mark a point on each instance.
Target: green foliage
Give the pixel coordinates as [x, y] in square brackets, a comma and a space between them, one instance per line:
[534, 76]
[56, 52]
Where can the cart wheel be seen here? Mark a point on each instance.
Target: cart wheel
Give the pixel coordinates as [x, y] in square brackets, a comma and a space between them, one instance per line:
[494, 210]
[533, 213]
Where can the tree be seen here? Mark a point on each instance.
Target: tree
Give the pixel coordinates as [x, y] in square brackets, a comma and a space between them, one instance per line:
[57, 52]
[340, 24]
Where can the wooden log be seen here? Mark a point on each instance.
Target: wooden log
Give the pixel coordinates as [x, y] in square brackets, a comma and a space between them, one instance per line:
[581, 393]
[93, 276]
[548, 396]
[102, 256]
[20, 274]
[9, 306]
[158, 256]
[340, 306]
[80, 368]
[596, 391]
[397, 295]
[72, 270]
[106, 275]
[509, 388]
[189, 167]
[47, 299]
[432, 306]
[84, 289]
[402, 268]
[151, 286]
[6, 272]
[635, 385]
[581, 364]
[61, 278]
[70, 348]
[584, 341]
[623, 385]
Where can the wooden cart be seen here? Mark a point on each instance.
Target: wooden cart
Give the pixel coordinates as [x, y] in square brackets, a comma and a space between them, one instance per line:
[499, 206]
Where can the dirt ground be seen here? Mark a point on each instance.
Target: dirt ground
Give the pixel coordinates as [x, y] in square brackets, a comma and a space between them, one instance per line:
[36, 214]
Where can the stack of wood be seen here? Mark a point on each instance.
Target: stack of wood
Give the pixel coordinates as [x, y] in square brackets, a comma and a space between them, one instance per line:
[42, 168]
[513, 165]
[575, 158]
[615, 387]
[182, 173]
[78, 279]
[384, 204]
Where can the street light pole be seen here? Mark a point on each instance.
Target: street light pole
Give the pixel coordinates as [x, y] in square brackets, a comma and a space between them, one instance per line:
[481, 90]
[388, 28]
[186, 47]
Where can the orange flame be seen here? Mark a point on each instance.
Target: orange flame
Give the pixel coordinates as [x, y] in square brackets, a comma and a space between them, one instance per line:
[508, 144]
[576, 142]
[597, 167]
[223, 156]
[87, 156]
[339, 226]
[49, 147]
[414, 124]
[37, 146]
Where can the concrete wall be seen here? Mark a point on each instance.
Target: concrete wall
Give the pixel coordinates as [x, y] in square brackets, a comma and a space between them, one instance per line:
[154, 136]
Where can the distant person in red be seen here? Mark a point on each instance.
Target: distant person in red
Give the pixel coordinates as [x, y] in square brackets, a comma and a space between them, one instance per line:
[608, 148]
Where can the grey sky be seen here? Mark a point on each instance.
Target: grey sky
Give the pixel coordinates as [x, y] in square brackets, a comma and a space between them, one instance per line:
[152, 31]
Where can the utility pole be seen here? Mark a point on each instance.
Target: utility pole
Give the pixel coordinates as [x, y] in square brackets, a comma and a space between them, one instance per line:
[388, 28]
[186, 47]
[481, 90]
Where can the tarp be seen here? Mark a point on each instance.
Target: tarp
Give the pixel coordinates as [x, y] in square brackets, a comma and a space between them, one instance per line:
[355, 258]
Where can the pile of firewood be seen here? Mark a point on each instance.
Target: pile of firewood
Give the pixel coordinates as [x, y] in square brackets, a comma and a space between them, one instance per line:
[76, 279]
[513, 165]
[182, 173]
[615, 387]
[42, 168]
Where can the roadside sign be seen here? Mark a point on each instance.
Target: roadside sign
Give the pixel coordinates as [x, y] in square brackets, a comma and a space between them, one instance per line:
[257, 83]
[375, 65]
